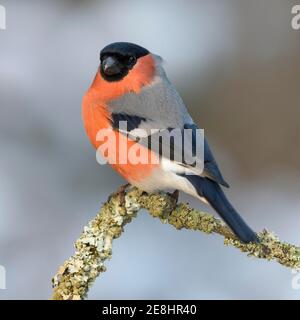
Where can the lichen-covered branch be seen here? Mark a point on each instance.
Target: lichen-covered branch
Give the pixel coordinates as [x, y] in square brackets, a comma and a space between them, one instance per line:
[94, 246]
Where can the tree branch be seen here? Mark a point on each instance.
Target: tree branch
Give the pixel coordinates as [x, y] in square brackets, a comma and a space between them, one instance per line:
[77, 274]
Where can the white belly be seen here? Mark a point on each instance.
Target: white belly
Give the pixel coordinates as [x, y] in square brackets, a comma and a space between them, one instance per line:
[164, 179]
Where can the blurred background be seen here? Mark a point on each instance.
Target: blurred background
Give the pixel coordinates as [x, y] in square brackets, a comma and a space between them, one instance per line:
[235, 63]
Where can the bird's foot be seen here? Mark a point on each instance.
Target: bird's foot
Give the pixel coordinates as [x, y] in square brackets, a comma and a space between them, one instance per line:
[121, 193]
[174, 197]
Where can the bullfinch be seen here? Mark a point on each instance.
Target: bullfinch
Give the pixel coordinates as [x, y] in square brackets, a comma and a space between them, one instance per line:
[131, 86]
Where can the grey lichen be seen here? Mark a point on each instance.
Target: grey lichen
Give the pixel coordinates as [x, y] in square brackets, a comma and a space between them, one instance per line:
[94, 246]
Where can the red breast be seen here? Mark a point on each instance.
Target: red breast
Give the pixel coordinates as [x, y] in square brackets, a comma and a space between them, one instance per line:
[96, 115]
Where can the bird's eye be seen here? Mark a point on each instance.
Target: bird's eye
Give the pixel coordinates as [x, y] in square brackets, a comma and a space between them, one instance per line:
[131, 60]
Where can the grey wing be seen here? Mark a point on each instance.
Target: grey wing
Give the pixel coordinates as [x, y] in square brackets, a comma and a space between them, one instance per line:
[160, 106]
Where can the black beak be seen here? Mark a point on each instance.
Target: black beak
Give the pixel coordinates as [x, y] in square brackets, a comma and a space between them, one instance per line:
[110, 66]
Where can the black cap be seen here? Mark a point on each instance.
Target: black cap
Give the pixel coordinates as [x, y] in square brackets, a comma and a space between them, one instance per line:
[124, 49]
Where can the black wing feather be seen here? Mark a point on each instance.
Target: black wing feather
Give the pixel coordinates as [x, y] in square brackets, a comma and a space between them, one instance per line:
[211, 169]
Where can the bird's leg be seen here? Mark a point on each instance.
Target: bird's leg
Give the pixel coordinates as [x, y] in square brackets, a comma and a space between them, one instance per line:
[175, 196]
[121, 193]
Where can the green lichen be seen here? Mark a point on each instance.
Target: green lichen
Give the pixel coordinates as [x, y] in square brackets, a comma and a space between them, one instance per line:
[94, 246]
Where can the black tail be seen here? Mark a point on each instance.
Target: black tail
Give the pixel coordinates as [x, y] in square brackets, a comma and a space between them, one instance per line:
[213, 193]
